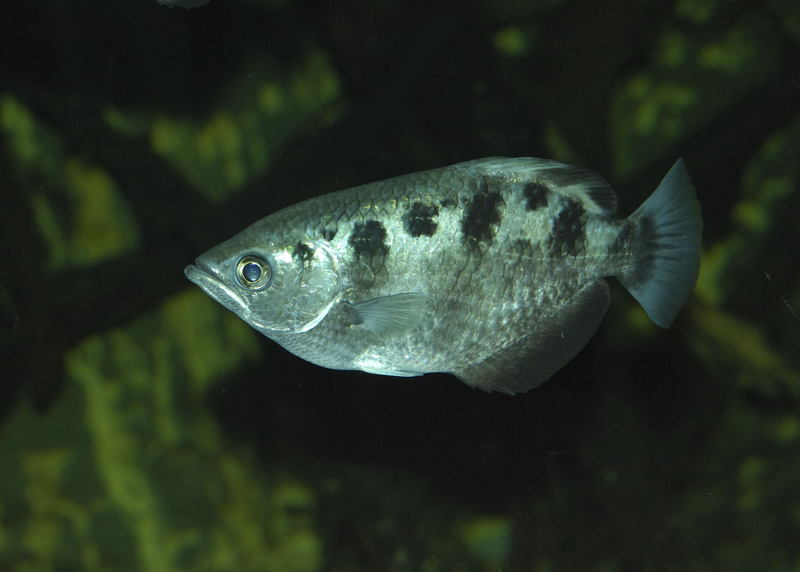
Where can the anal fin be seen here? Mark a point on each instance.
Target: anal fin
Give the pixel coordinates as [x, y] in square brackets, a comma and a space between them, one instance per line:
[532, 359]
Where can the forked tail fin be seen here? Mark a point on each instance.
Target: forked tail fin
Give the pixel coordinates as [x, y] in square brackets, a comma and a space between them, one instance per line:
[666, 245]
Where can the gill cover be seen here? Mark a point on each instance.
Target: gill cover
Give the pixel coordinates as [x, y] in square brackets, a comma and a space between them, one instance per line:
[303, 287]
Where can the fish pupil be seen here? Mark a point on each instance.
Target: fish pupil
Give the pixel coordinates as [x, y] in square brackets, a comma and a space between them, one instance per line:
[251, 272]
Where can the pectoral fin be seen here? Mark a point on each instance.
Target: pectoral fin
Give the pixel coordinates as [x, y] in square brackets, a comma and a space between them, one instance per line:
[531, 360]
[394, 314]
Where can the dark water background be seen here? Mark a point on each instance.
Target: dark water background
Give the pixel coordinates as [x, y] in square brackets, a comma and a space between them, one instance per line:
[142, 427]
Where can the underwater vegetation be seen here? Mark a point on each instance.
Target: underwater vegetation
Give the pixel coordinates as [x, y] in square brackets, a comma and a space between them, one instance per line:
[144, 427]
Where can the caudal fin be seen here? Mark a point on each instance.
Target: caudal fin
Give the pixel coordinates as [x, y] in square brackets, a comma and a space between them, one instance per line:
[666, 244]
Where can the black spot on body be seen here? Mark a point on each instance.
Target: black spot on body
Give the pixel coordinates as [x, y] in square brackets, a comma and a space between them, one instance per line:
[448, 203]
[303, 252]
[328, 234]
[419, 220]
[568, 229]
[535, 195]
[369, 239]
[483, 213]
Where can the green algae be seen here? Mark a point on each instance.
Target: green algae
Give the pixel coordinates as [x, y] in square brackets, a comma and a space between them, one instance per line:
[700, 12]
[161, 489]
[34, 147]
[80, 211]
[49, 515]
[788, 11]
[489, 540]
[263, 108]
[512, 42]
[768, 187]
[691, 77]
[738, 350]
[225, 343]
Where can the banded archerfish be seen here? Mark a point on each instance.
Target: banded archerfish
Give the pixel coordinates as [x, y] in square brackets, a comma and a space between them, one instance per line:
[493, 269]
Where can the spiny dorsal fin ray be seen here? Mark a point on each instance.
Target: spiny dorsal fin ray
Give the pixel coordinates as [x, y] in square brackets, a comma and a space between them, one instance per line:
[530, 361]
[592, 190]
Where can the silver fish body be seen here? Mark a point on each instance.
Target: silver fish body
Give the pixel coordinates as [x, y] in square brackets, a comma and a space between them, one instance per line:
[493, 269]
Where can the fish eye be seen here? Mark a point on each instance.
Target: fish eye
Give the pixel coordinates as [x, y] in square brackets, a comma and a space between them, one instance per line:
[253, 272]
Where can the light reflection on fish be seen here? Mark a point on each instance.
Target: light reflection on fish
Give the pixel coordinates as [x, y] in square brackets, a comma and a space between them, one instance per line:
[493, 269]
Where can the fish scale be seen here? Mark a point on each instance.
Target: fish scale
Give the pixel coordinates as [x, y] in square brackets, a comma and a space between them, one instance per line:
[493, 270]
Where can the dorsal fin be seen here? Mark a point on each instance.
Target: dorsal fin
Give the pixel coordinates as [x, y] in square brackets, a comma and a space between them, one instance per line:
[579, 183]
[592, 190]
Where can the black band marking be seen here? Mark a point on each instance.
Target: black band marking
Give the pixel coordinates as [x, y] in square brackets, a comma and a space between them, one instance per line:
[568, 236]
[535, 194]
[419, 220]
[369, 239]
[482, 216]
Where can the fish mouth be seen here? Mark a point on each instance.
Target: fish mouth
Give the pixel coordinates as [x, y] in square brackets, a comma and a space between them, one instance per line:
[204, 277]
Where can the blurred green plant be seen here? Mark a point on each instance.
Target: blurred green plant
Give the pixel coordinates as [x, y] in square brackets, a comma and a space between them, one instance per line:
[262, 108]
[81, 213]
[692, 78]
